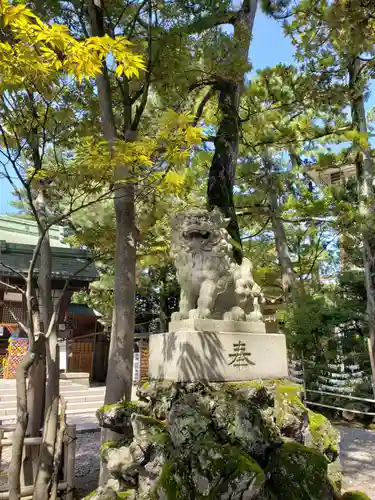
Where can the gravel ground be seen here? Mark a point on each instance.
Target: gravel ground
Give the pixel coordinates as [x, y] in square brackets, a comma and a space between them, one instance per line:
[357, 456]
[87, 463]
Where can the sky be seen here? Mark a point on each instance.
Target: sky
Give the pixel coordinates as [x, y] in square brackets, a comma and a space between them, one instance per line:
[268, 48]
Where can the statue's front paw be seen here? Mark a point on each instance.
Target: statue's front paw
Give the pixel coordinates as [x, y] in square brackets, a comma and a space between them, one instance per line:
[199, 313]
[235, 314]
[204, 313]
[255, 316]
[178, 316]
[193, 314]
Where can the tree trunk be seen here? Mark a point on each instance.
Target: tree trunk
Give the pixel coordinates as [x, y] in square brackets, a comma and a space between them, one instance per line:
[57, 461]
[120, 366]
[37, 375]
[35, 403]
[163, 305]
[36, 394]
[288, 278]
[222, 172]
[50, 427]
[365, 176]
[14, 471]
[47, 449]
[120, 362]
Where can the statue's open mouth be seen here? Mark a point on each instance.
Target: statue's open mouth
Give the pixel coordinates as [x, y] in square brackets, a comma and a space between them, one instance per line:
[197, 234]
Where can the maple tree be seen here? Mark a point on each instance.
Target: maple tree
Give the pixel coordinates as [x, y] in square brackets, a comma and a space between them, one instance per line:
[37, 65]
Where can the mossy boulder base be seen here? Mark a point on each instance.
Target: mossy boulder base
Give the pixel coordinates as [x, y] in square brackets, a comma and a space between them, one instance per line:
[220, 442]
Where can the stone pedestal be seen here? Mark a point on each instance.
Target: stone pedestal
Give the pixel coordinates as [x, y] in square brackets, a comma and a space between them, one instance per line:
[195, 353]
[217, 325]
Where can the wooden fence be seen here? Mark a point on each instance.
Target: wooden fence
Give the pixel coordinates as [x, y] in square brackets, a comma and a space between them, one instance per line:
[66, 486]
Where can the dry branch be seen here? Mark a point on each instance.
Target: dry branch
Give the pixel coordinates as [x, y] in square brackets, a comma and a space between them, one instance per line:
[58, 450]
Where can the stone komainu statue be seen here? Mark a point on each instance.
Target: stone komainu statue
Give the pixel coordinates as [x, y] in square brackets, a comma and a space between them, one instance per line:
[212, 284]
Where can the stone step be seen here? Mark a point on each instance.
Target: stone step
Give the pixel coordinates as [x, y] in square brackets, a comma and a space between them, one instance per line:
[81, 408]
[63, 389]
[72, 407]
[7, 399]
[83, 421]
[12, 381]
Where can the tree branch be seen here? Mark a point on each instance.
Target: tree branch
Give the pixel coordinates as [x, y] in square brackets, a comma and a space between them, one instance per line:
[258, 232]
[12, 287]
[202, 105]
[56, 309]
[136, 19]
[206, 23]
[141, 107]
[19, 323]
[10, 268]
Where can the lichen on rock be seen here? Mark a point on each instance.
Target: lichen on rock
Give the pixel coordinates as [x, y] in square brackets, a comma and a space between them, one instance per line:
[117, 416]
[298, 473]
[309, 428]
[355, 495]
[218, 472]
[193, 441]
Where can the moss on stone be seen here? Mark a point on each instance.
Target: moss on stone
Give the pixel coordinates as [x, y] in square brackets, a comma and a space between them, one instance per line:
[324, 436]
[288, 394]
[334, 472]
[121, 495]
[355, 495]
[252, 384]
[107, 445]
[151, 429]
[299, 473]
[128, 406]
[226, 460]
[171, 485]
[214, 462]
[235, 462]
[90, 495]
[151, 421]
[151, 425]
[218, 437]
[106, 408]
[112, 445]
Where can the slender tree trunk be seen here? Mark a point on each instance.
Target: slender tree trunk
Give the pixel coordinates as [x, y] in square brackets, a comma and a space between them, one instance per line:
[120, 368]
[14, 471]
[37, 373]
[163, 320]
[47, 449]
[223, 167]
[35, 403]
[36, 394]
[50, 428]
[120, 363]
[58, 451]
[365, 176]
[35, 389]
[288, 278]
